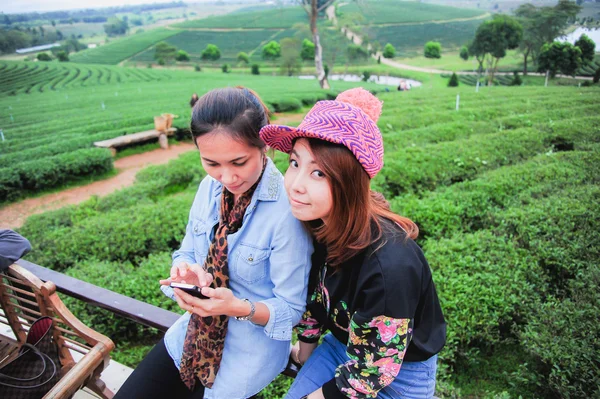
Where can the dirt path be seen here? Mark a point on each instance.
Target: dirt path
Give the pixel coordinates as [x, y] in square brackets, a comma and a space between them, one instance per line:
[13, 216]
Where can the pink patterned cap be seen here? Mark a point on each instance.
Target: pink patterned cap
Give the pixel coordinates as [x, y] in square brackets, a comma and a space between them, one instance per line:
[350, 120]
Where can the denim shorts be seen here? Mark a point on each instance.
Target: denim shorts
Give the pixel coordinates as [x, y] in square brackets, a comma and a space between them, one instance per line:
[416, 380]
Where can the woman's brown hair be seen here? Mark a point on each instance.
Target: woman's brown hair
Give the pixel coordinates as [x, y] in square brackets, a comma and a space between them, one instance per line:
[355, 221]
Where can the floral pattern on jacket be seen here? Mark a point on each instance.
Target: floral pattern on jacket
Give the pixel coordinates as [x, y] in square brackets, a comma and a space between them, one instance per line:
[376, 349]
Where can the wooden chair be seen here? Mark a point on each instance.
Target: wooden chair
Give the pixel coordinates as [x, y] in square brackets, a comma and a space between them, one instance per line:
[23, 299]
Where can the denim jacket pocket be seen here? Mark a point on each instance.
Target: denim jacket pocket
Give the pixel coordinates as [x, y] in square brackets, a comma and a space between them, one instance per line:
[200, 242]
[250, 263]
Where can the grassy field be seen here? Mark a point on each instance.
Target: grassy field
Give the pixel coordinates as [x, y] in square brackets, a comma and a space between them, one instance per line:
[496, 190]
[120, 49]
[73, 106]
[396, 12]
[409, 40]
[269, 18]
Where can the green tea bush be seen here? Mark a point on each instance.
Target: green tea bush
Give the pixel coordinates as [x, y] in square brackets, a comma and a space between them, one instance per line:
[51, 171]
[473, 205]
[561, 231]
[563, 337]
[484, 283]
[126, 235]
[287, 104]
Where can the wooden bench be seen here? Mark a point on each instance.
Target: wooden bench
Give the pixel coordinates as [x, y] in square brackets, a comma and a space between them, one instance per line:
[121, 141]
[24, 298]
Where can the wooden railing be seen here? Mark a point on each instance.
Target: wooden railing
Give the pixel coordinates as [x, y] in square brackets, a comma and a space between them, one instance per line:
[130, 308]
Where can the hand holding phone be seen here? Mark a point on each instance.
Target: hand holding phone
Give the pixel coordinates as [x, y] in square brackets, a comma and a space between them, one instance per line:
[191, 289]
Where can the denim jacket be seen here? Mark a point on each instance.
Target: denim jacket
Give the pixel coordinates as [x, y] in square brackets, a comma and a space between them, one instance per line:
[269, 262]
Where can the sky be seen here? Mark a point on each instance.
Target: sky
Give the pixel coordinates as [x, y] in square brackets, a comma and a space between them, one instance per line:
[22, 6]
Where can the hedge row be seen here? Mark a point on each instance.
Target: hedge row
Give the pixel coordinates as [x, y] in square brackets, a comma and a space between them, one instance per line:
[420, 169]
[491, 281]
[472, 205]
[48, 172]
[152, 184]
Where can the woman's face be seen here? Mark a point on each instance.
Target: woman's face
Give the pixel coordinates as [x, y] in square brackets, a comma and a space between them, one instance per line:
[233, 163]
[307, 187]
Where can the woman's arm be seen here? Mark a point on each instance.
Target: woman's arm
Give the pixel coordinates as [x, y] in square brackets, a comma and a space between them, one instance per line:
[291, 250]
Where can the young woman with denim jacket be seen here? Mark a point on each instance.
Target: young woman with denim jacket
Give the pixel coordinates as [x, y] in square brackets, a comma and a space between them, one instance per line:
[251, 255]
[370, 285]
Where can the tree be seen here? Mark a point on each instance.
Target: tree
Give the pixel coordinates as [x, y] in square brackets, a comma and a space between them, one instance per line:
[164, 52]
[182, 56]
[225, 68]
[62, 56]
[255, 69]
[389, 51]
[588, 49]
[493, 38]
[44, 57]
[313, 8]
[308, 50]
[211, 52]
[559, 57]
[596, 76]
[543, 25]
[433, 50]
[453, 80]
[243, 58]
[464, 53]
[271, 51]
[290, 56]
[116, 26]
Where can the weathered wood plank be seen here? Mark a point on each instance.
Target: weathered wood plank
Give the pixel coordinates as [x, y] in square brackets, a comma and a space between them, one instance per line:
[133, 138]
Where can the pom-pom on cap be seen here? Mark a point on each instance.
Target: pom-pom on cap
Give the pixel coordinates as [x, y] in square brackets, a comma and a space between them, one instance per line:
[364, 100]
[350, 121]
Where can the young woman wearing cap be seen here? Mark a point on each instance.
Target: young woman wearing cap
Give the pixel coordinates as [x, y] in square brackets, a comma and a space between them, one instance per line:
[255, 259]
[370, 285]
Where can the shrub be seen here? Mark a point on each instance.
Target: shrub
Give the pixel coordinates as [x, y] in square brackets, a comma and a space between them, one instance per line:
[225, 68]
[464, 53]
[366, 75]
[182, 56]
[453, 82]
[197, 68]
[255, 69]
[52, 171]
[62, 56]
[44, 57]
[516, 81]
[211, 53]
[287, 104]
[483, 282]
[389, 51]
[307, 52]
[596, 78]
[433, 50]
[563, 336]
[243, 58]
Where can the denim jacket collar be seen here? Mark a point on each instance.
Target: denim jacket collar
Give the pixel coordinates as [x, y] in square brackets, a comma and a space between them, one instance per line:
[268, 188]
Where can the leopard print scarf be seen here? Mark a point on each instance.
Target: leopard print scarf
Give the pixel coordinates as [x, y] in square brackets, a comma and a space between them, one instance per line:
[205, 336]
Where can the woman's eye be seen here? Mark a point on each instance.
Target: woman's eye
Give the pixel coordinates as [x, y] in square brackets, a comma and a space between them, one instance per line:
[318, 173]
[293, 163]
[212, 165]
[240, 164]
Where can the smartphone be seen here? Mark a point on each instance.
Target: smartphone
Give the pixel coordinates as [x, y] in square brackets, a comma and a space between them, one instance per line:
[191, 289]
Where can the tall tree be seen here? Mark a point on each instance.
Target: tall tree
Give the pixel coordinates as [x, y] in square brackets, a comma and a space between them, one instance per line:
[588, 49]
[313, 8]
[543, 25]
[559, 57]
[493, 38]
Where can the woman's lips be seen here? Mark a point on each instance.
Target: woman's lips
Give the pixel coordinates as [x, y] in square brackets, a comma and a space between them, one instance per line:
[295, 202]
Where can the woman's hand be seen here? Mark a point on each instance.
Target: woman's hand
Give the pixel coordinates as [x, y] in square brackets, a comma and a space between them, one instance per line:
[221, 302]
[301, 351]
[190, 274]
